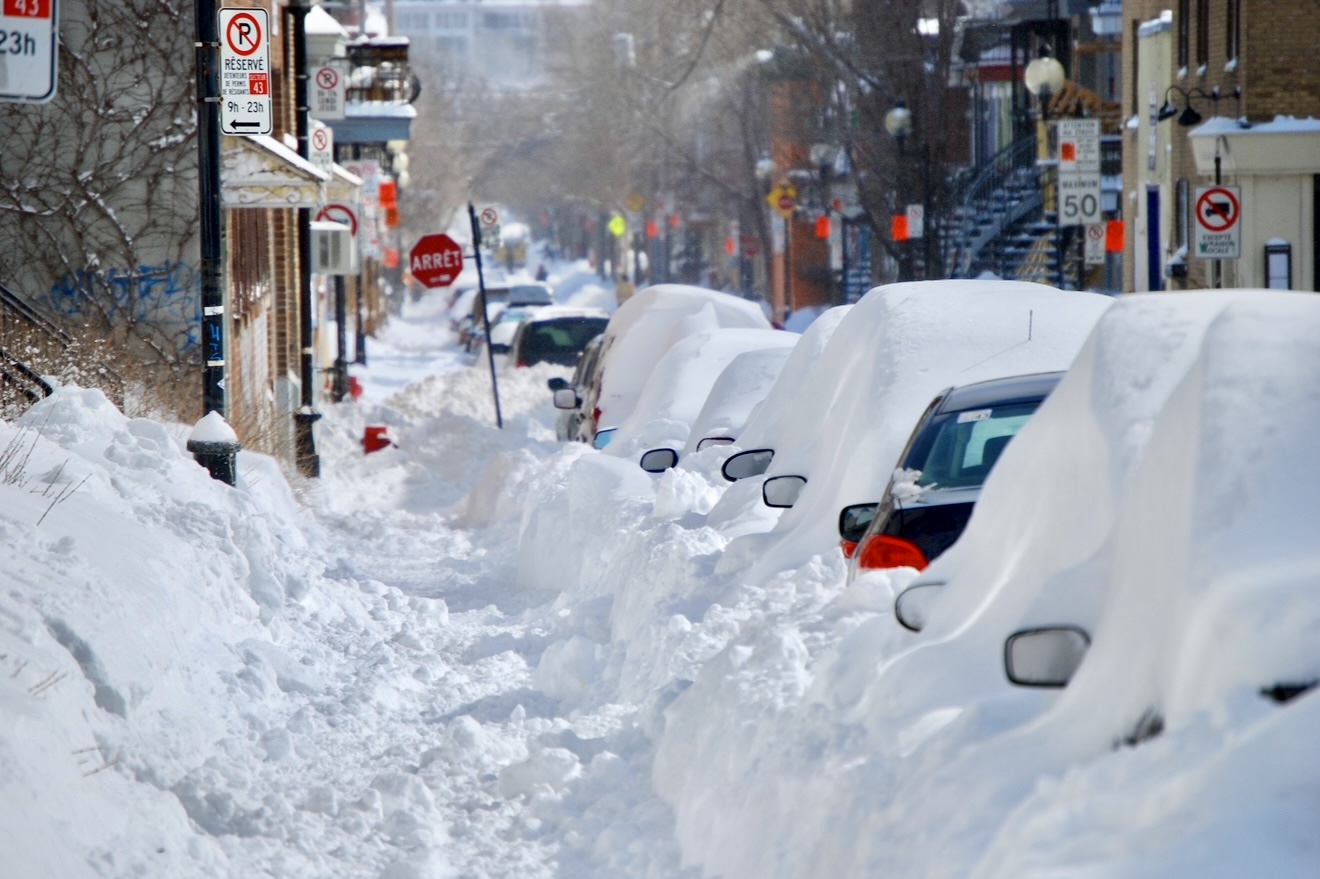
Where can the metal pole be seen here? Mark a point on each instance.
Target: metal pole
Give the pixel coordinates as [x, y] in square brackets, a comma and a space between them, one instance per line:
[1218, 266]
[485, 318]
[359, 332]
[308, 462]
[217, 458]
[340, 387]
[928, 221]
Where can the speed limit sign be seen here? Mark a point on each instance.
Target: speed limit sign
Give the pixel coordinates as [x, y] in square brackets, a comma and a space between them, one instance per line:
[1079, 198]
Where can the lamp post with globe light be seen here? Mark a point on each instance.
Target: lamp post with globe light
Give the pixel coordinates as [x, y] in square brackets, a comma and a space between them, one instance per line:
[1044, 77]
[898, 123]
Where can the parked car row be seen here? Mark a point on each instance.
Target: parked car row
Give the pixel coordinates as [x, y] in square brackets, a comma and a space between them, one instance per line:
[638, 336]
[911, 397]
[1072, 524]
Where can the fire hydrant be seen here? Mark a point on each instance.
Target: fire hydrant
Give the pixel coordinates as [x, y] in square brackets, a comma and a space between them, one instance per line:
[375, 438]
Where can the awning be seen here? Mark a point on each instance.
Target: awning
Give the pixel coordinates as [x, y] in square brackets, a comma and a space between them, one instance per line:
[373, 122]
[344, 187]
[261, 172]
[1282, 147]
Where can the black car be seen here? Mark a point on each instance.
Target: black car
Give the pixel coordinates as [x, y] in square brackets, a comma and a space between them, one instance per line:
[954, 447]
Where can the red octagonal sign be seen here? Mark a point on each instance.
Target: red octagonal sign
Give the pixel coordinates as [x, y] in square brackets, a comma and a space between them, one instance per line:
[436, 260]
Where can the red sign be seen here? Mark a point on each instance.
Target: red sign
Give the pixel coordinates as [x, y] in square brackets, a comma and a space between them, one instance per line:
[435, 260]
[786, 203]
[39, 9]
[338, 213]
[1217, 209]
[243, 34]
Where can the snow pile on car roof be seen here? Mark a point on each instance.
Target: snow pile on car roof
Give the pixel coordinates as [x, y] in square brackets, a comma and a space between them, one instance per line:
[890, 355]
[680, 382]
[648, 324]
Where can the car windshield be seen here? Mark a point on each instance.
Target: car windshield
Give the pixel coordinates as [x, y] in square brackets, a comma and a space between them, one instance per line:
[958, 449]
[552, 339]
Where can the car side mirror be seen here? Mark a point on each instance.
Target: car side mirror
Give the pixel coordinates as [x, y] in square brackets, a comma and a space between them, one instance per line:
[782, 491]
[711, 441]
[659, 460]
[567, 398]
[854, 520]
[752, 462]
[1045, 657]
[603, 437]
[558, 383]
[912, 607]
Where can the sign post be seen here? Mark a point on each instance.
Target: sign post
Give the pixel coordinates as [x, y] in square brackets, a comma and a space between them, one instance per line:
[490, 226]
[1095, 244]
[1218, 227]
[28, 54]
[328, 93]
[916, 220]
[245, 73]
[322, 147]
[485, 318]
[1079, 172]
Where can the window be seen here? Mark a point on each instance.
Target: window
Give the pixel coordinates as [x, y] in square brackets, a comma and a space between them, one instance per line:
[1202, 34]
[1233, 29]
[1278, 265]
[1183, 25]
[966, 444]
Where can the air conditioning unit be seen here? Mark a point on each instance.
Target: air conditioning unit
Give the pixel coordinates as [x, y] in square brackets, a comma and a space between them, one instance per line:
[334, 252]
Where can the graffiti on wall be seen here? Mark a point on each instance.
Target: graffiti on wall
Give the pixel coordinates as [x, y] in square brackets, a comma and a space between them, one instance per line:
[166, 296]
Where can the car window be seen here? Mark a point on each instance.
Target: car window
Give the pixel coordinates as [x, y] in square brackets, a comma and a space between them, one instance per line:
[560, 336]
[960, 448]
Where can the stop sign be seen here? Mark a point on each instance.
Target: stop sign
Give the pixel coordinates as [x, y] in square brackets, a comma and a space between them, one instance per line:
[435, 260]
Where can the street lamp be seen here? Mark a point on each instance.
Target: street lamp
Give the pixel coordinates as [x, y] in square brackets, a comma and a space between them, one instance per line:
[1044, 77]
[898, 123]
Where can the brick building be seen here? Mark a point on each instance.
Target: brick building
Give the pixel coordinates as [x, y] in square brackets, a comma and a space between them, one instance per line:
[1221, 94]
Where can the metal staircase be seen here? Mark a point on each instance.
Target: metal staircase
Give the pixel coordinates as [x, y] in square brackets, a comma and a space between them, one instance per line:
[32, 345]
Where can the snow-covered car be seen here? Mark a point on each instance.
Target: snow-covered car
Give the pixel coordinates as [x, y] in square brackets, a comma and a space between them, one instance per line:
[556, 334]
[773, 420]
[678, 388]
[523, 296]
[567, 395]
[530, 293]
[735, 396]
[639, 334]
[931, 495]
[890, 355]
[504, 323]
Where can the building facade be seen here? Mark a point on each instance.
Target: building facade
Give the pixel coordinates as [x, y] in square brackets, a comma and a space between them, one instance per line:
[1221, 150]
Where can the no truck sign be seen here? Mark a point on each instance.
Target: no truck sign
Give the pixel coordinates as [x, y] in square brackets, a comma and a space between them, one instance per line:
[1218, 225]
